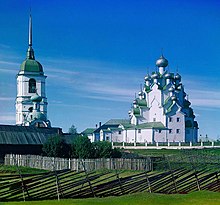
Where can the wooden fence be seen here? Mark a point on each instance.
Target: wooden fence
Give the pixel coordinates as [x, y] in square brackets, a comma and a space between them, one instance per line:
[70, 184]
[180, 174]
[51, 163]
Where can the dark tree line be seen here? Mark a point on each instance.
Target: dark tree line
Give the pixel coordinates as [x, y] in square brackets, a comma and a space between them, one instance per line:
[81, 147]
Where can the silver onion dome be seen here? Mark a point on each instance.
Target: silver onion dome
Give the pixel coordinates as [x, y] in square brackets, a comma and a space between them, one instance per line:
[155, 76]
[147, 78]
[162, 62]
[178, 76]
[174, 98]
[168, 76]
[171, 89]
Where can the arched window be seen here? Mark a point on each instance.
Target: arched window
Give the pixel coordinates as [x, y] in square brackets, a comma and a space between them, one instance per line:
[32, 85]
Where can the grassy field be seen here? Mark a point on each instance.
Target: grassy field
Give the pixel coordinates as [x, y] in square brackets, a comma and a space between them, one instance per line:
[170, 152]
[196, 198]
[7, 169]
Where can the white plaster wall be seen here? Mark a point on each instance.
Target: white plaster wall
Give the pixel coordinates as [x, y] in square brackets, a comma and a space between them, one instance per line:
[23, 102]
[144, 136]
[160, 137]
[156, 109]
[116, 137]
[174, 125]
[130, 136]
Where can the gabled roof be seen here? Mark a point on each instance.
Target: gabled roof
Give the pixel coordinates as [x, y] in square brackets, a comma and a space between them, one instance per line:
[117, 122]
[113, 125]
[26, 135]
[148, 125]
[88, 131]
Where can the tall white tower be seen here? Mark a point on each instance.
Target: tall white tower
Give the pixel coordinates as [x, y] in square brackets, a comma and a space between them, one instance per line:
[30, 82]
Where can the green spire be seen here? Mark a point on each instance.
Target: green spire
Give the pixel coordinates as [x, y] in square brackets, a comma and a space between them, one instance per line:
[30, 51]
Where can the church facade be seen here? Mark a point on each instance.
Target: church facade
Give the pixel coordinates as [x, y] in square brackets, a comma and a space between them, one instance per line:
[160, 113]
[31, 100]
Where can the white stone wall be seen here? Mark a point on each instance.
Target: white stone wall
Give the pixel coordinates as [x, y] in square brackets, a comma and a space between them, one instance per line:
[23, 102]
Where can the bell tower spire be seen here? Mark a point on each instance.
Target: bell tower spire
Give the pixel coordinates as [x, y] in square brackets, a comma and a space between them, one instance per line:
[30, 30]
[30, 51]
[29, 79]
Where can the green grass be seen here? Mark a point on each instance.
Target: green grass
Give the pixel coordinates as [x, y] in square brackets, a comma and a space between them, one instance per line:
[171, 152]
[9, 169]
[196, 198]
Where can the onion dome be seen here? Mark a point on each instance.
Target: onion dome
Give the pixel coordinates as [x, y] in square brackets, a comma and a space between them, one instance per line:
[31, 65]
[171, 89]
[147, 78]
[39, 116]
[177, 76]
[36, 98]
[136, 112]
[179, 87]
[173, 98]
[140, 93]
[168, 76]
[134, 102]
[162, 62]
[155, 76]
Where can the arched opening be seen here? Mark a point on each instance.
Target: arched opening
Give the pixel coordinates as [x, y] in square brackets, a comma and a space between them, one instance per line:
[32, 85]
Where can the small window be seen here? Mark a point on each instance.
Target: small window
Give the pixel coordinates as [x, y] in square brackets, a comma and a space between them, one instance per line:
[119, 132]
[178, 119]
[178, 131]
[170, 119]
[154, 119]
[139, 130]
[32, 85]
[107, 138]
[160, 131]
[170, 131]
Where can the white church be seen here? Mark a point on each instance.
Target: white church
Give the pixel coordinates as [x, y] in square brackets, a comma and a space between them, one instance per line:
[161, 113]
[31, 101]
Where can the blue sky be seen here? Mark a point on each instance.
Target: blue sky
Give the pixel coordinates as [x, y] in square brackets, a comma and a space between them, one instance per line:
[97, 53]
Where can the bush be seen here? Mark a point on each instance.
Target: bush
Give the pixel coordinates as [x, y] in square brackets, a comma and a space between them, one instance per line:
[103, 149]
[82, 148]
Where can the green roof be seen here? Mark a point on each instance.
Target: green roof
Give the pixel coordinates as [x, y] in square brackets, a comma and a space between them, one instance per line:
[147, 89]
[148, 125]
[118, 122]
[136, 111]
[88, 131]
[31, 65]
[141, 102]
[169, 109]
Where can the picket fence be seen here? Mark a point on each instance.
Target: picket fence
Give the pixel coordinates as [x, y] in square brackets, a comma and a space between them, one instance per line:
[51, 163]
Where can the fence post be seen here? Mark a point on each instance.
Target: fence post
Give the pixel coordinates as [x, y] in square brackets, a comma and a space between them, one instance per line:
[147, 178]
[117, 176]
[23, 186]
[195, 173]
[172, 174]
[87, 178]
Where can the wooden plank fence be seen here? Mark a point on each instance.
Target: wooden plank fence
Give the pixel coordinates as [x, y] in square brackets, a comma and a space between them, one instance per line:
[51, 163]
